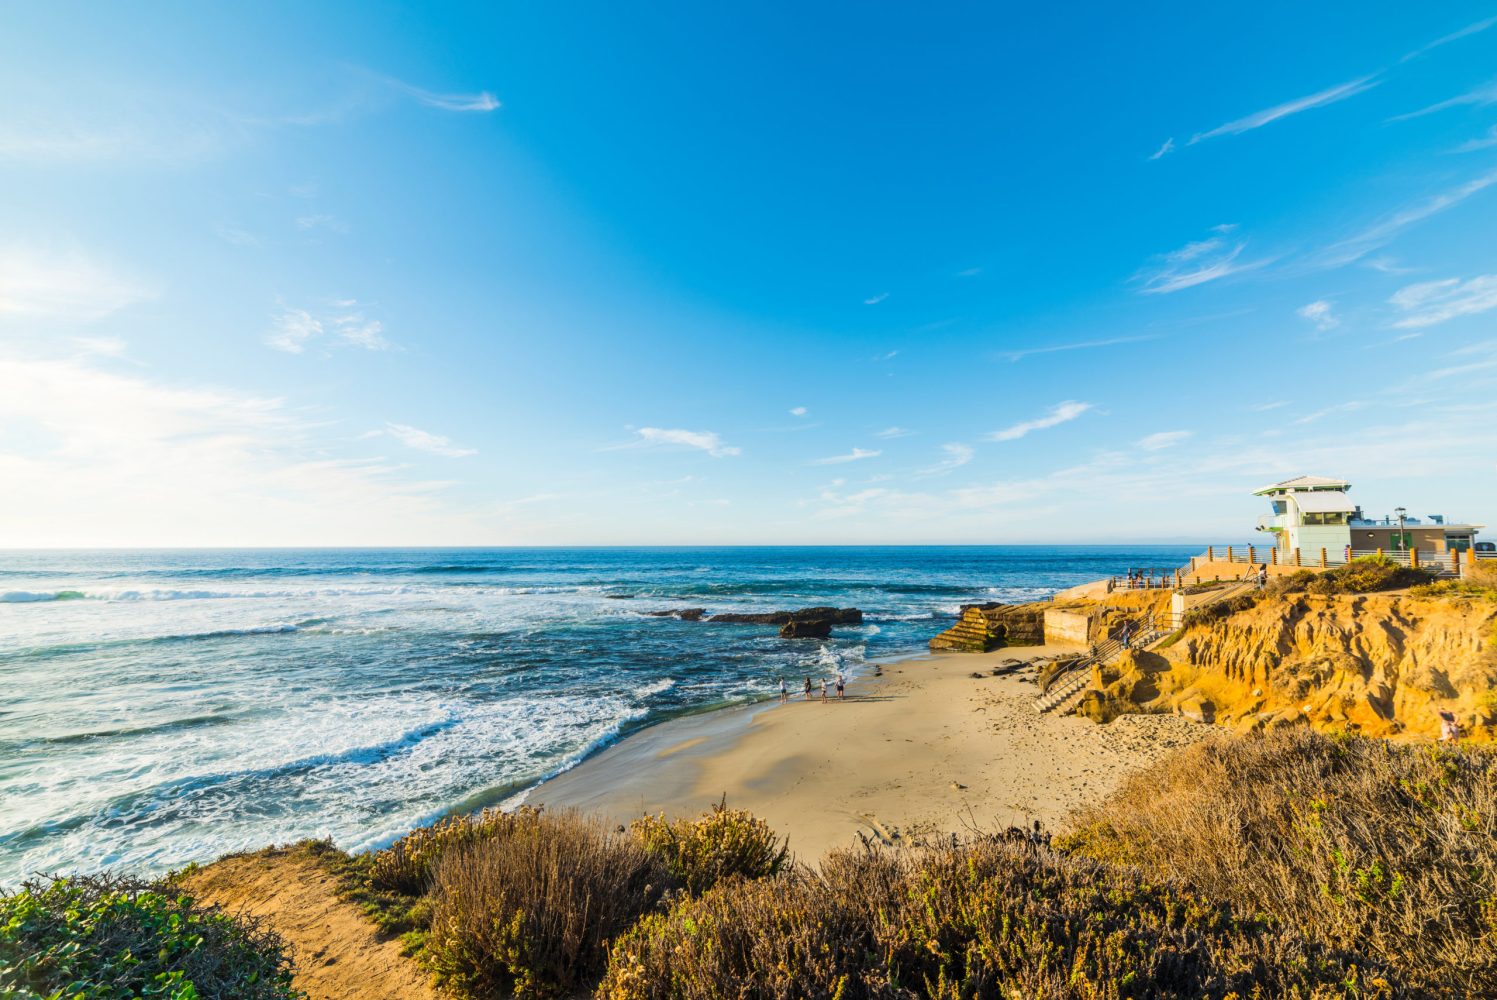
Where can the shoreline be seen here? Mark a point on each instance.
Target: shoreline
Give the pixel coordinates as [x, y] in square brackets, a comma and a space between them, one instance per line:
[922, 751]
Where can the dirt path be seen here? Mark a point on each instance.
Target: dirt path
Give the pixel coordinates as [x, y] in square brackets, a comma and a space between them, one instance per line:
[337, 952]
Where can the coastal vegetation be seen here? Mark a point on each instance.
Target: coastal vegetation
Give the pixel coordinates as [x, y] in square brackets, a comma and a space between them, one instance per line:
[1389, 849]
[1289, 864]
[107, 938]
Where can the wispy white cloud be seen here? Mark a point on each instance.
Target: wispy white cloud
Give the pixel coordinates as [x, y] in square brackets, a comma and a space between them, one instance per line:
[874, 300]
[190, 465]
[38, 284]
[1258, 119]
[1321, 314]
[1195, 264]
[1059, 414]
[1272, 405]
[1480, 97]
[1164, 150]
[1485, 142]
[294, 330]
[857, 454]
[708, 441]
[1431, 302]
[798, 411]
[893, 432]
[1348, 407]
[1084, 345]
[954, 456]
[1162, 440]
[1387, 265]
[321, 220]
[1380, 233]
[969, 272]
[238, 237]
[886, 356]
[481, 102]
[1468, 30]
[436, 444]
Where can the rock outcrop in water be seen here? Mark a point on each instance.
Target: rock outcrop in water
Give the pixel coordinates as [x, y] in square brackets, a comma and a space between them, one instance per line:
[685, 614]
[832, 616]
[807, 623]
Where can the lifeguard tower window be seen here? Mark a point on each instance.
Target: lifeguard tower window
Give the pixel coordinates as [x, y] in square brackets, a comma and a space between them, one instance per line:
[1328, 517]
[1281, 506]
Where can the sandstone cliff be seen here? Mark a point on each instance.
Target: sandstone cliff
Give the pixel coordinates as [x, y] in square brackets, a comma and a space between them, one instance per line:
[1382, 665]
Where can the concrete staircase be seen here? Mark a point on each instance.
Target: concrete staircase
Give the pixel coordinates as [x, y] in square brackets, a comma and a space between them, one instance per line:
[1066, 689]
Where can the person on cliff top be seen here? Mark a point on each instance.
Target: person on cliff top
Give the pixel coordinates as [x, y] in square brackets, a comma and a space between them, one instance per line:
[1450, 730]
[1263, 575]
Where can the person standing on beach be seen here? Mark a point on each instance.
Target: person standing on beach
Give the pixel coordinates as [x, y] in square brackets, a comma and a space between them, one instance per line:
[823, 690]
[784, 691]
[808, 689]
[841, 684]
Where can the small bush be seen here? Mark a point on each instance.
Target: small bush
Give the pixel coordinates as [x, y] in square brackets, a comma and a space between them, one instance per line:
[779, 937]
[406, 866]
[532, 908]
[1364, 575]
[1363, 844]
[105, 938]
[720, 844]
[1478, 580]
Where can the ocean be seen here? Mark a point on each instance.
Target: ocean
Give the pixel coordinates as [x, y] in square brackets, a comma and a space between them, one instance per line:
[161, 707]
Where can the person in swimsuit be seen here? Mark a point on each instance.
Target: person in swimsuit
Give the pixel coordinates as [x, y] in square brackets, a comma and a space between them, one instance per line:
[784, 691]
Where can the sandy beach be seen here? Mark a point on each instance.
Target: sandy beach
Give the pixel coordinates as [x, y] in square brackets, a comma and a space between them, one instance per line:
[924, 750]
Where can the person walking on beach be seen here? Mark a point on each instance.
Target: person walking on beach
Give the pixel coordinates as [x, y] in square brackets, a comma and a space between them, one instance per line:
[841, 684]
[808, 689]
[823, 690]
[784, 691]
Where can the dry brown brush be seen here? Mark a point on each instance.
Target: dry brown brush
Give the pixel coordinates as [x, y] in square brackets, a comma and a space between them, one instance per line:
[987, 920]
[532, 908]
[1384, 848]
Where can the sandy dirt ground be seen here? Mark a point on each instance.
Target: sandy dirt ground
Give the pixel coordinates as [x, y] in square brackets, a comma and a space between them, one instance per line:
[921, 752]
[338, 954]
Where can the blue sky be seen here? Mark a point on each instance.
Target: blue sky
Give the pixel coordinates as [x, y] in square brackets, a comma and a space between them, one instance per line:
[618, 274]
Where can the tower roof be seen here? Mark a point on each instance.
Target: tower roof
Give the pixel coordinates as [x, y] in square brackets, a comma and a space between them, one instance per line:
[1305, 483]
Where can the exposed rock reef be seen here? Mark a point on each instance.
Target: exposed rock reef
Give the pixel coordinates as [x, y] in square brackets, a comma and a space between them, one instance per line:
[834, 616]
[1379, 664]
[806, 623]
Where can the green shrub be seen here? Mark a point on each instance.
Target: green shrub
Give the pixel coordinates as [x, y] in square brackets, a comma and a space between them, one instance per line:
[532, 909]
[105, 938]
[719, 844]
[1386, 848]
[406, 866]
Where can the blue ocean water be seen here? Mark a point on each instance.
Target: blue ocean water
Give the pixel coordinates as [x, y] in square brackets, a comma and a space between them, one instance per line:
[160, 707]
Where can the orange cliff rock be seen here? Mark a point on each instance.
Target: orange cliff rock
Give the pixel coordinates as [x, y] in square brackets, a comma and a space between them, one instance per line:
[1378, 664]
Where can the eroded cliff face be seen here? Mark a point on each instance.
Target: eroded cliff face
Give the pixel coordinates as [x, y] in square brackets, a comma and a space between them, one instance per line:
[1382, 665]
